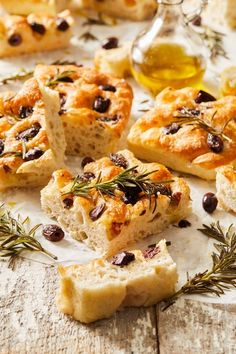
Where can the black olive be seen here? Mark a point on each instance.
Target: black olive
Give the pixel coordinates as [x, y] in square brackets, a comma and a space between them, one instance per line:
[209, 202]
[123, 259]
[63, 98]
[110, 43]
[204, 96]
[38, 28]
[29, 133]
[15, 39]
[197, 21]
[33, 154]
[119, 160]
[53, 233]
[112, 120]
[1, 146]
[215, 143]
[97, 212]
[86, 160]
[172, 128]
[86, 176]
[101, 104]
[108, 88]
[131, 195]
[66, 79]
[151, 252]
[164, 189]
[184, 223]
[25, 111]
[62, 24]
[68, 203]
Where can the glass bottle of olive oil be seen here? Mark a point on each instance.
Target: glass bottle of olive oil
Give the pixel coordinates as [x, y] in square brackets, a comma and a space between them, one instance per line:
[169, 53]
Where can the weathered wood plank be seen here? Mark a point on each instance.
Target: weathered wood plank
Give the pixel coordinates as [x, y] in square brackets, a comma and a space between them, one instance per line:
[30, 322]
[191, 327]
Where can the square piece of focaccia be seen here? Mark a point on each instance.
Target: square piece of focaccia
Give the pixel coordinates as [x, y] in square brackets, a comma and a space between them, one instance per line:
[34, 33]
[187, 130]
[32, 143]
[96, 290]
[95, 107]
[221, 12]
[26, 7]
[108, 220]
[137, 10]
[226, 188]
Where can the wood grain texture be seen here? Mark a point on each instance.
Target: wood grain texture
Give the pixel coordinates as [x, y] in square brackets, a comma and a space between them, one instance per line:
[30, 322]
[192, 327]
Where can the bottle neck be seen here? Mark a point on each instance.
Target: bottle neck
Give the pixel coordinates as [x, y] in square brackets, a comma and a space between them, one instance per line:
[170, 11]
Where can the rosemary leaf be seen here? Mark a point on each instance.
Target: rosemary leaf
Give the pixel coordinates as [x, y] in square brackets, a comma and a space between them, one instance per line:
[16, 238]
[127, 179]
[88, 36]
[19, 76]
[194, 117]
[222, 275]
[60, 77]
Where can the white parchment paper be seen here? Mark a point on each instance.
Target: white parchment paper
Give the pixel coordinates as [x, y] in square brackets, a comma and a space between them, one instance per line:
[190, 249]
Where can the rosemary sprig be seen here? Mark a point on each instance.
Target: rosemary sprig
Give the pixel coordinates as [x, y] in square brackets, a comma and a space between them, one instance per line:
[60, 77]
[214, 41]
[222, 275]
[194, 117]
[19, 76]
[16, 238]
[24, 74]
[125, 180]
[88, 36]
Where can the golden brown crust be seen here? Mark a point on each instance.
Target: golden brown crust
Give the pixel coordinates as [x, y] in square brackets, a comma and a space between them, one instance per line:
[77, 111]
[30, 40]
[24, 128]
[189, 143]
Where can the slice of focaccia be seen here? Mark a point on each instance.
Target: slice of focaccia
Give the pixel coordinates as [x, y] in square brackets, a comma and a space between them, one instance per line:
[26, 7]
[96, 290]
[114, 61]
[221, 12]
[134, 10]
[95, 107]
[130, 200]
[226, 188]
[34, 33]
[187, 130]
[32, 143]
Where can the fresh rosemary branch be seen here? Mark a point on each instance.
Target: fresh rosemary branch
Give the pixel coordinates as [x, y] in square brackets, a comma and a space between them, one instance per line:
[23, 74]
[60, 77]
[188, 116]
[125, 180]
[214, 41]
[19, 76]
[16, 238]
[222, 275]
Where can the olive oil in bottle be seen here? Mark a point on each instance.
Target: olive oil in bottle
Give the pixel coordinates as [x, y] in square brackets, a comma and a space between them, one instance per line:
[169, 53]
[168, 65]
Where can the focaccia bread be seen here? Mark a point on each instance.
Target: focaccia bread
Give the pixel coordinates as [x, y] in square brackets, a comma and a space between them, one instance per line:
[108, 220]
[228, 81]
[95, 107]
[115, 62]
[226, 188]
[26, 7]
[137, 10]
[32, 142]
[96, 290]
[34, 33]
[189, 131]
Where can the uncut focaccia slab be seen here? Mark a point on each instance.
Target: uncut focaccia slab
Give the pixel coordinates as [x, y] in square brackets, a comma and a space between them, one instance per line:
[34, 33]
[134, 10]
[32, 143]
[26, 7]
[95, 107]
[109, 221]
[187, 130]
[96, 290]
[226, 188]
